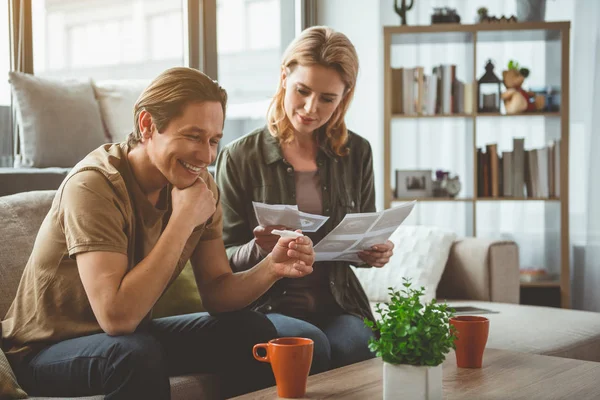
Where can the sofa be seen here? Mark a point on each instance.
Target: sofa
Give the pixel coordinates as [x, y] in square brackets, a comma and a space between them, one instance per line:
[476, 271]
[59, 121]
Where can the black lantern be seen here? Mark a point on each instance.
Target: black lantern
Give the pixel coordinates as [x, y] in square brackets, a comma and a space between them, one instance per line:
[489, 90]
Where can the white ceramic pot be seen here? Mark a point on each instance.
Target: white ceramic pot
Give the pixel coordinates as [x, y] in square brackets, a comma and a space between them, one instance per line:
[412, 382]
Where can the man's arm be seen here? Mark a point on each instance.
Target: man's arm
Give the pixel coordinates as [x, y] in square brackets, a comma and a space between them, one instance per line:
[120, 300]
[223, 291]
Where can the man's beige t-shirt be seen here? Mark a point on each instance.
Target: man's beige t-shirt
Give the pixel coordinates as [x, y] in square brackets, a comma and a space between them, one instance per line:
[99, 207]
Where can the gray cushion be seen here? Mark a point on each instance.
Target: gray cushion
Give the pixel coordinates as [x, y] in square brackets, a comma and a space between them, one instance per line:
[9, 388]
[59, 121]
[21, 215]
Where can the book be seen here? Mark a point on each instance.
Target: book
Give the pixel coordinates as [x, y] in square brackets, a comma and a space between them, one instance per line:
[518, 164]
[507, 174]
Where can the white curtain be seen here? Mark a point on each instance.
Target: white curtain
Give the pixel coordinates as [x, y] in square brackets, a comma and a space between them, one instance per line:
[447, 143]
[585, 189]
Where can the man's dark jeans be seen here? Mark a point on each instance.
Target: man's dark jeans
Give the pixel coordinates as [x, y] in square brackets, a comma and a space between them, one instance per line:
[138, 366]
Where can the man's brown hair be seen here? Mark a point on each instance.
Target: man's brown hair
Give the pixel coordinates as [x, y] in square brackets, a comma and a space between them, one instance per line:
[168, 94]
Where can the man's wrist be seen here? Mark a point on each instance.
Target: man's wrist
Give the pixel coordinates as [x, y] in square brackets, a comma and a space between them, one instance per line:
[269, 264]
[181, 225]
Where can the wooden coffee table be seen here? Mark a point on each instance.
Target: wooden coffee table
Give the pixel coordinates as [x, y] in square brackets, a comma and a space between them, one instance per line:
[505, 375]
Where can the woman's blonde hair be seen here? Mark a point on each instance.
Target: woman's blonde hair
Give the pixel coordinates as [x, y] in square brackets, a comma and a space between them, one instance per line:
[318, 45]
[168, 94]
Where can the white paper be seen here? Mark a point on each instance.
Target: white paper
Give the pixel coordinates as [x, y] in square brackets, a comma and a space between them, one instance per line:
[359, 232]
[288, 216]
[356, 232]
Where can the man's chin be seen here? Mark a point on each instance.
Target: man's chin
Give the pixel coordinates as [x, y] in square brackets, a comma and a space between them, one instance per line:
[183, 183]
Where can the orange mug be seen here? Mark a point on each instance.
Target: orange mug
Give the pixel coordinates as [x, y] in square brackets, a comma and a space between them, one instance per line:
[290, 358]
[471, 338]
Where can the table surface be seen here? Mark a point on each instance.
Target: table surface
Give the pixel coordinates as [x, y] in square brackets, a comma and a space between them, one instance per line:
[505, 375]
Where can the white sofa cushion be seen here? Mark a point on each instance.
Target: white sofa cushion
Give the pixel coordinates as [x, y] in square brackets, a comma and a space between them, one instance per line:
[420, 254]
[59, 120]
[116, 99]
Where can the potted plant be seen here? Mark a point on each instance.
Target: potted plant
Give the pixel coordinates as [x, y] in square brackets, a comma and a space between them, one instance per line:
[482, 12]
[413, 340]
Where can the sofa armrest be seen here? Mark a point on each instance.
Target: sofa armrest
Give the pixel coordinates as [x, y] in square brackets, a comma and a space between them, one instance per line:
[17, 180]
[481, 269]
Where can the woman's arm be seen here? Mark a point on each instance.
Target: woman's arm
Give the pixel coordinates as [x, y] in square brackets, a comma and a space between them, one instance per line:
[242, 251]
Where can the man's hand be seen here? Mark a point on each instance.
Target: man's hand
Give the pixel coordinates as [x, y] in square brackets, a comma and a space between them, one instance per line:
[379, 255]
[194, 204]
[264, 238]
[293, 258]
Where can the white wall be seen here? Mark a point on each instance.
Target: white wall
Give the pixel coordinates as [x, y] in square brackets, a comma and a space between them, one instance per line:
[360, 21]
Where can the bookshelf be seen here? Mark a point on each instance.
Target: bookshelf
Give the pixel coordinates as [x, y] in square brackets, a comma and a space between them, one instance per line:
[470, 35]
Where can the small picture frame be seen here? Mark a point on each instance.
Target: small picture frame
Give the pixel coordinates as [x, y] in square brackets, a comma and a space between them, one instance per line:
[413, 183]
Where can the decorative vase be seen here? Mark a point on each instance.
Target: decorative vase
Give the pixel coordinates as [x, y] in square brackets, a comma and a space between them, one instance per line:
[531, 10]
[402, 381]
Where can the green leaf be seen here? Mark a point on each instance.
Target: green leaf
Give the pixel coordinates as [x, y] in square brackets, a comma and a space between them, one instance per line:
[411, 332]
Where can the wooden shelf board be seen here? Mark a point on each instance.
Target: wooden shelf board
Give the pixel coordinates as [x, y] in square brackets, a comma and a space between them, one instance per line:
[548, 284]
[416, 116]
[525, 114]
[485, 115]
[463, 199]
[486, 32]
[517, 199]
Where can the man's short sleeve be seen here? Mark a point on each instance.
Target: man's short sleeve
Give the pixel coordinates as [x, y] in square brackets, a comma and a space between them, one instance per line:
[214, 227]
[92, 215]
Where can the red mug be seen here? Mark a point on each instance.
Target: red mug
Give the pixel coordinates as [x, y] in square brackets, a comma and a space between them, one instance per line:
[290, 358]
[471, 338]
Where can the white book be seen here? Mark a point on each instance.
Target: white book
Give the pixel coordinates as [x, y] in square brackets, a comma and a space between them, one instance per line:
[542, 165]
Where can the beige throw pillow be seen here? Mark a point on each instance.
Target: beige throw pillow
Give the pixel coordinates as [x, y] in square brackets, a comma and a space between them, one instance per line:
[116, 99]
[59, 120]
[9, 388]
[420, 254]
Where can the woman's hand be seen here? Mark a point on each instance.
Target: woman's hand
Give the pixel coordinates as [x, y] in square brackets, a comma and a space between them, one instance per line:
[379, 255]
[293, 258]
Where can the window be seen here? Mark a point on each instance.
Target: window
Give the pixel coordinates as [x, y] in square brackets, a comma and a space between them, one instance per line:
[107, 39]
[251, 38]
[138, 39]
[5, 120]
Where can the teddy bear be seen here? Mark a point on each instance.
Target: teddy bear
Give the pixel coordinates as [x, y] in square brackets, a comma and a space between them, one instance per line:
[516, 99]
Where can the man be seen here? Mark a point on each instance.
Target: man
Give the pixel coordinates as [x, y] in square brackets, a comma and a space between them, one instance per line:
[121, 228]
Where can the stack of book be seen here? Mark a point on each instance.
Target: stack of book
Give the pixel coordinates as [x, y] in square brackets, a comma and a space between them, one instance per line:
[519, 173]
[416, 93]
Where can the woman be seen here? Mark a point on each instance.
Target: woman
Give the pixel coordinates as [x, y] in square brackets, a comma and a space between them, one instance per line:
[306, 156]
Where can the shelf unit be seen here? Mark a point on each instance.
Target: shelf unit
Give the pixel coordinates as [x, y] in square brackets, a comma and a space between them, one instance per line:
[472, 34]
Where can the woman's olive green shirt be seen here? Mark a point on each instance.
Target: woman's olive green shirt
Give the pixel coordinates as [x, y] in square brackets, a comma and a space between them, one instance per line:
[252, 168]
